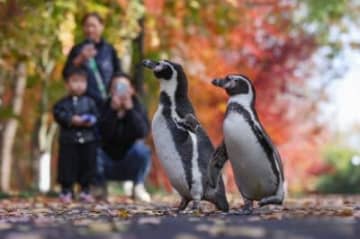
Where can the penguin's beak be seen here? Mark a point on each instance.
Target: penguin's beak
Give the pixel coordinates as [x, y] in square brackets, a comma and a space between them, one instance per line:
[218, 82]
[150, 64]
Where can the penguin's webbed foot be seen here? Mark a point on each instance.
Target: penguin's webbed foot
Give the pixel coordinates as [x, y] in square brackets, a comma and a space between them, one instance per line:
[196, 208]
[247, 209]
[183, 204]
[276, 199]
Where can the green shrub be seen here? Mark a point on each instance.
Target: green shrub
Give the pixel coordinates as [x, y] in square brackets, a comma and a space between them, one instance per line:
[346, 175]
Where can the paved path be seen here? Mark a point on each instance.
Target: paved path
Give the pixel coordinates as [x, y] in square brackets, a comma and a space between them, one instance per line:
[314, 217]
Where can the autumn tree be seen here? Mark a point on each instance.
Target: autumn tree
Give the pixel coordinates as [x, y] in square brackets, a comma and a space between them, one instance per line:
[32, 54]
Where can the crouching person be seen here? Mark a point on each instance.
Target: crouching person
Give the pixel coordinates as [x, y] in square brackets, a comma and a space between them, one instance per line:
[123, 126]
[76, 114]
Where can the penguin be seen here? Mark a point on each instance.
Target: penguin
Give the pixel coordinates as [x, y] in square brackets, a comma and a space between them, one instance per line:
[181, 143]
[255, 161]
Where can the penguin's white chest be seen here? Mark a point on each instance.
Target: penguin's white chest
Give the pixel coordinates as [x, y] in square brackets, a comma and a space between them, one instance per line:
[252, 169]
[168, 154]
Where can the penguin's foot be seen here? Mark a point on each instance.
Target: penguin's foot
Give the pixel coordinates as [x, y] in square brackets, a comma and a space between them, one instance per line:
[220, 201]
[277, 200]
[183, 204]
[247, 209]
[196, 208]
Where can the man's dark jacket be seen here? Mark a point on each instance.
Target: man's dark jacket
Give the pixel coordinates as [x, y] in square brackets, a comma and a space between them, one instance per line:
[108, 64]
[118, 134]
[65, 109]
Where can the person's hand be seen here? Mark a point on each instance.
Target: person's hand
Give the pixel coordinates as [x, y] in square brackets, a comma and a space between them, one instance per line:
[88, 124]
[122, 101]
[116, 102]
[76, 120]
[88, 51]
[128, 102]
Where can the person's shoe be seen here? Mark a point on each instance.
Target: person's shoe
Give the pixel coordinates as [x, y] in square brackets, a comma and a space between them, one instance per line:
[128, 188]
[65, 198]
[86, 197]
[140, 193]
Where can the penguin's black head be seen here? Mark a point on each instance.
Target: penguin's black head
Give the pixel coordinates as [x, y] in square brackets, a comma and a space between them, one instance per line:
[235, 85]
[171, 76]
[162, 69]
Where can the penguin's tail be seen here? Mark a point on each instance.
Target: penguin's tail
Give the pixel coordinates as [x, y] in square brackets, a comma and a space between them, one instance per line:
[218, 196]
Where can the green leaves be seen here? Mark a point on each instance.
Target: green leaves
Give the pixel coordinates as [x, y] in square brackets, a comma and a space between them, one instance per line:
[325, 11]
[345, 176]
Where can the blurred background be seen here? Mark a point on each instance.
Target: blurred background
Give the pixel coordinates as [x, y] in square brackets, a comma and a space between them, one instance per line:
[302, 55]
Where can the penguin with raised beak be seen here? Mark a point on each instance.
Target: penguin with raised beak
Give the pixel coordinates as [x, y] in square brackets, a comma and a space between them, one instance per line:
[181, 143]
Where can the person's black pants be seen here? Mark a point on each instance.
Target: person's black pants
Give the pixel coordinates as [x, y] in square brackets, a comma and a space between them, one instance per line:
[77, 164]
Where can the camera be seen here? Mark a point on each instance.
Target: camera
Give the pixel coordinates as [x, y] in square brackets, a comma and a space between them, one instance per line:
[121, 88]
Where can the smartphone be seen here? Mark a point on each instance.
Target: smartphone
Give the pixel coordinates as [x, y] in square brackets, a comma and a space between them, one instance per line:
[121, 88]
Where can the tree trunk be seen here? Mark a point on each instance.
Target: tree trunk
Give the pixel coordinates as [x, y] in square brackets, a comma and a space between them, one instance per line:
[45, 137]
[137, 57]
[10, 127]
[43, 131]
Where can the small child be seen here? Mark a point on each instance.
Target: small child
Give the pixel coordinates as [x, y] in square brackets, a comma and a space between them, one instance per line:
[76, 114]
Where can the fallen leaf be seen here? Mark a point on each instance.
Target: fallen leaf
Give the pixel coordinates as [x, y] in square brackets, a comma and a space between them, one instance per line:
[186, 236]
[149, 220]
[123, 213]
[5, 226]
[345, 212]
[272, 216]
[18, 235]
[245, 231]
[121, 226]
[101, 227]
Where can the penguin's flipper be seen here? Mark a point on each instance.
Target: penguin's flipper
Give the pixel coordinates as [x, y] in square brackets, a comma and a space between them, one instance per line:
[268, 144]
[189, 122]
[183, 204]
[277, 200]
[216, 165]
[219, 199]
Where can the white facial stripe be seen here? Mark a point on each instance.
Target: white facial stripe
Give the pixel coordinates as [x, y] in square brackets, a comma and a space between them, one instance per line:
[169, 87]
[158, 68]
[230, 84]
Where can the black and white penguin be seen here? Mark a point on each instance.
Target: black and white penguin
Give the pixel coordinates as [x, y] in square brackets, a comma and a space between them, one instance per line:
[255, 160]
[181, 143]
